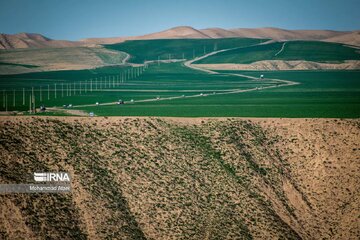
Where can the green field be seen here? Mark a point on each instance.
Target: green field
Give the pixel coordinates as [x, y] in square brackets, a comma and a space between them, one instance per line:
[319, 94]
[165, 49]
[166, 80]
[293, 50]
[172, 89]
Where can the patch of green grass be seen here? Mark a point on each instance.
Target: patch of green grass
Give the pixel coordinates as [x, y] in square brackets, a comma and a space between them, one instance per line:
[293, 50]
[319, 94]
[166, 80]
[164, 49]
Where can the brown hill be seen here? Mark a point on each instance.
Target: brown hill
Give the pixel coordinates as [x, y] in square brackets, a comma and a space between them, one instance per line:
[218, 33]
[282, 34]
[26, 40]
[149, 178]
[59, 58]
[271, 33]
[176, 32]
[32, 40]
[172, 33]
[352, 38]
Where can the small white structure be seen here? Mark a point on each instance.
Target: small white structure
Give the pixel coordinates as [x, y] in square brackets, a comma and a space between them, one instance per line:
[91, 114]
[97, 103]
[132, 100]
[262, 76]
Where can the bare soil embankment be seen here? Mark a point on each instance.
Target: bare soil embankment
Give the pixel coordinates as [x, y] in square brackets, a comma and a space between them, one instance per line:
[191, 178]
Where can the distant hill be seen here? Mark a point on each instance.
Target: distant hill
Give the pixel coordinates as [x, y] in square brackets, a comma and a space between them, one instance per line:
[172, 33]
[32, 40]
[352, 38]
[347, 37]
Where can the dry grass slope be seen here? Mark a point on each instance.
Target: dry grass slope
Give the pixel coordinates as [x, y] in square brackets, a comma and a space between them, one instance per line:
[137, 178]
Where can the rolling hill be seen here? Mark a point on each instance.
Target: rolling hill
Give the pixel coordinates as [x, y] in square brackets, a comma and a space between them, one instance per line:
[290, 51]
[277, 34]
[167, 49]
[14, 61]
[33, 40]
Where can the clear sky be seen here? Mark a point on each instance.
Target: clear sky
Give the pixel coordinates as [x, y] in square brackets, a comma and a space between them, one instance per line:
[76, 19]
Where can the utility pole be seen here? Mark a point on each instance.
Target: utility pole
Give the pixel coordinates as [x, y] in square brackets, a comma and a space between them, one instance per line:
[91, 85]
[85, 86]
[74, 88]
[14, 98]
[4, 99]
[34, 104]
[55, 90]
[80, 87]
[23, 96]
[30, 104]
[40, 94]
[32, 92]
[70, 89]
[62, 89]
[48, 92]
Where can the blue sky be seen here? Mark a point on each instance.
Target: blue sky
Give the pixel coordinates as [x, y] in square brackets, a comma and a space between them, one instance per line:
[76, 19]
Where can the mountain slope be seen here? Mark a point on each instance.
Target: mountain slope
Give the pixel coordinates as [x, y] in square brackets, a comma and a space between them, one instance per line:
[15, 61]
[183, 178]
[282, 34]
[27, 40]
[32, 40]
[352, 38]
[269, 33]
[172, 33]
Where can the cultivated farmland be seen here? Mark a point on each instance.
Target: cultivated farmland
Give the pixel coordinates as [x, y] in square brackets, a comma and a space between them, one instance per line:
[165, 88]
[292, 50]
[167, 49]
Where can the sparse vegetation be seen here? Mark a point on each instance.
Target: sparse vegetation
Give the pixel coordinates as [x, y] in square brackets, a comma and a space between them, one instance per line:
[160, 179]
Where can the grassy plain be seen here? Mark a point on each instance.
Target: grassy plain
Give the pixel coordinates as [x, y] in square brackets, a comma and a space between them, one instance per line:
[319, 94]
[165, 49]
[293, 50]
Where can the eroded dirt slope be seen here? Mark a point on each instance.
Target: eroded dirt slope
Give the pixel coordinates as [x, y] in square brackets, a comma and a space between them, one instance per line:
[148, 178]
